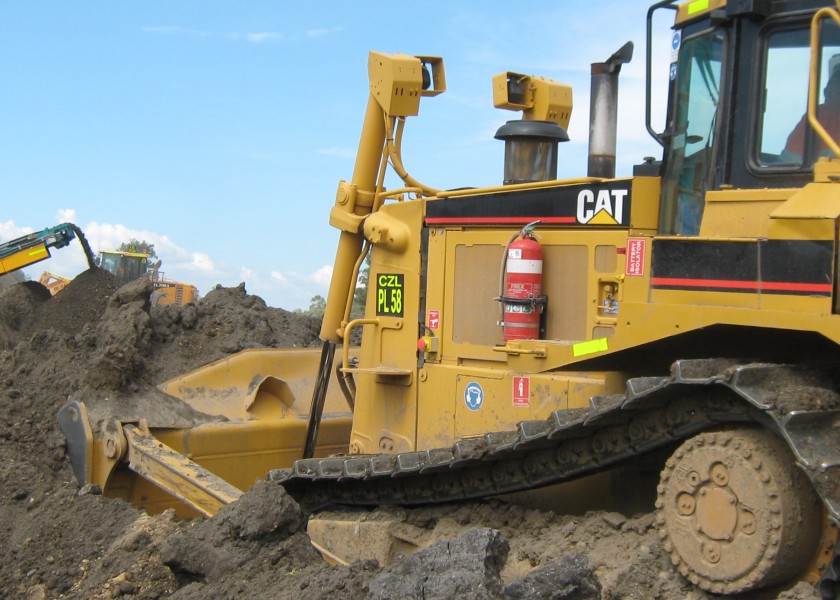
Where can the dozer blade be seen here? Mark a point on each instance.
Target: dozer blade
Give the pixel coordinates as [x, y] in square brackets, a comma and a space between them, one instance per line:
[250, 411]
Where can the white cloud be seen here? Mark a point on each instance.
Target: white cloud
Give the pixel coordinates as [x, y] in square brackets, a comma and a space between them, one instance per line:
[264, 36]
[322, 32]
[201, 262]
[339, 152]
[10, 231]
[65, 215]
[322, 276]
[255, 37]
[291, 290]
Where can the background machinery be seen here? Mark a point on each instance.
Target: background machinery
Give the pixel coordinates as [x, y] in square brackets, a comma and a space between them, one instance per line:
[128, 266]
[542, 330]
[35, 247]
[125, 266]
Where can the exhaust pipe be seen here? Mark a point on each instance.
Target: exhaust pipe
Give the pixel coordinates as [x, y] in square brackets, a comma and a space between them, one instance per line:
[603, 113]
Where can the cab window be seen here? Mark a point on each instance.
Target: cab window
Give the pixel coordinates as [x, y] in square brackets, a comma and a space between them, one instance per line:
[786, 139]
[692, 135]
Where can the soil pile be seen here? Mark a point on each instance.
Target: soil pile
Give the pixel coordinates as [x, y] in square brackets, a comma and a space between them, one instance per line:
[94, 341]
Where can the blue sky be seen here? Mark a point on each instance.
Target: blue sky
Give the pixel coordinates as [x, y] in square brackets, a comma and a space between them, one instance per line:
[219, 130]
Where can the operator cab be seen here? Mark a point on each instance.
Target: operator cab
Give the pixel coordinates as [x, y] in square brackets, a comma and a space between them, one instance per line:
[739, 84]
[125, 266]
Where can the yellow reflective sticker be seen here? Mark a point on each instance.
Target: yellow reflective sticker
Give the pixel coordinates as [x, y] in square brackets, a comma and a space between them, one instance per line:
[38, 251]
[590, 347]
[698, 5]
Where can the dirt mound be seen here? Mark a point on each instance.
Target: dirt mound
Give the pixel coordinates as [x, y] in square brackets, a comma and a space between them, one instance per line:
[18, 305]
[94, 341]
[223, 322]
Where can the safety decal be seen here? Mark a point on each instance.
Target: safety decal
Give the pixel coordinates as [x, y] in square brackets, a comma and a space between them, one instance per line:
[636, 249]
[473, 396]
[390, 299]
[522, 391]
[434, 319]
[590, 347]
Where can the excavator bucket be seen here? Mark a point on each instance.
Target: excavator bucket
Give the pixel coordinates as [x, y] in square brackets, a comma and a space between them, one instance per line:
[249, 414]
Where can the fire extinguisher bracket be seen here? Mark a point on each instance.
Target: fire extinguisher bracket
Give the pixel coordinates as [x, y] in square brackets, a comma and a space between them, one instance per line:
[539, 301]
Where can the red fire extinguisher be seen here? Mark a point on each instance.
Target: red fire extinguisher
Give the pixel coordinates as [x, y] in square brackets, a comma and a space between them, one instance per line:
[522, 299]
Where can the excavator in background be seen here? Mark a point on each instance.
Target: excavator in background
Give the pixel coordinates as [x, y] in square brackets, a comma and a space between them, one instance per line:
[544, 330]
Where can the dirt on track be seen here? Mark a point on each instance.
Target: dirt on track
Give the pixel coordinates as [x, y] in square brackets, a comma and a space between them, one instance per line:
[94, 341]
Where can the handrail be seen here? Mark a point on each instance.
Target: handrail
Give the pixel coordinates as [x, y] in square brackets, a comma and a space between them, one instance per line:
[813, 89]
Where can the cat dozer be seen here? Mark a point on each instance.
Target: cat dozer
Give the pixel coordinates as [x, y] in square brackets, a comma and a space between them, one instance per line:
[543, 330]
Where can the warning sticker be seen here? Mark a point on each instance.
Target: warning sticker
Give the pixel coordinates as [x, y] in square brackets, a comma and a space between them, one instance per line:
[522, 391]
[434, 319]
[636, 248]
[473, 396]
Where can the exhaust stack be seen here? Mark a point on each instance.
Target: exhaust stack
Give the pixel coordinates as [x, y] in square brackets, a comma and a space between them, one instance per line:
[603, 113]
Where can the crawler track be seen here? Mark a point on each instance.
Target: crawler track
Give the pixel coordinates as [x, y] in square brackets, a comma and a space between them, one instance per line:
[796, 404]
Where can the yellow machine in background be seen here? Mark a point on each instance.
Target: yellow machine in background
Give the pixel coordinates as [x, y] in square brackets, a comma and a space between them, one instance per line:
[686, 316]
[125, 266]
[128, 266]
[53, 282]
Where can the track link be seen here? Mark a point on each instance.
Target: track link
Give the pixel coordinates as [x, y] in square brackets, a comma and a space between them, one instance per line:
[797, 404]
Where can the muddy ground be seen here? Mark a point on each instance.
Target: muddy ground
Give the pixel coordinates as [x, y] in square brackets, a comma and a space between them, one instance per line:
[94, 341]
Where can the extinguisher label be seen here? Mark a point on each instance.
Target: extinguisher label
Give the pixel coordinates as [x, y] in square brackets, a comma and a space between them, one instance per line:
[636, 249]
[390, 295]
[522, 391]
[518, 309]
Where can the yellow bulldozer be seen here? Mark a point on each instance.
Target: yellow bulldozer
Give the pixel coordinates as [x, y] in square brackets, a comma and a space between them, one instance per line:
[545, 330]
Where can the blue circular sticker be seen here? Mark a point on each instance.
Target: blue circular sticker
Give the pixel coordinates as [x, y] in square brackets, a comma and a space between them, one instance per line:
[473, 396]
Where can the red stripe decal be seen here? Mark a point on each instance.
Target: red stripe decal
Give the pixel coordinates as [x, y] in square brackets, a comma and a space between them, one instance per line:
[796, 287]
[824, 288]
[498, 220]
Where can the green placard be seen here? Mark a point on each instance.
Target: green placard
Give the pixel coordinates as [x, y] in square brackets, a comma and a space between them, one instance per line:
[390, 295]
